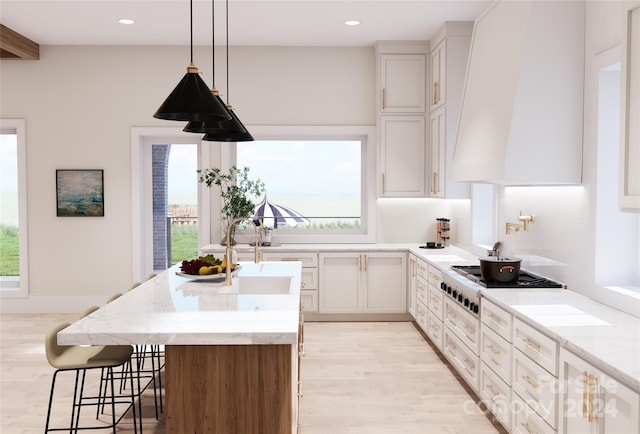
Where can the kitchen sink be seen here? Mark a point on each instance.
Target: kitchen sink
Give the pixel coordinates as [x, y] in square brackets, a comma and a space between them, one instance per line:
[259, 285]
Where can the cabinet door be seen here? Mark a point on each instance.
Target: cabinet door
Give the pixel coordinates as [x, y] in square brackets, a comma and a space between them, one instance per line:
[413, 277]
[402, 156]
[593, 402]
[438, 153]
[339, 282]
[386, 284]
[438, 74]
[402, 79]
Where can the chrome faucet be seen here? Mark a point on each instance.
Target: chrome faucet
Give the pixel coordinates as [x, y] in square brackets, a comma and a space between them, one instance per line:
[227, 278]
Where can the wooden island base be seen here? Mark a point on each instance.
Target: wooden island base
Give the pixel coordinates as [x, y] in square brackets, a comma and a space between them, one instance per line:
[223, 389]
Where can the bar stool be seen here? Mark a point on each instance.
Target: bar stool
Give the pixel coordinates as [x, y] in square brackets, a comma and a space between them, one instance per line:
[80, 359]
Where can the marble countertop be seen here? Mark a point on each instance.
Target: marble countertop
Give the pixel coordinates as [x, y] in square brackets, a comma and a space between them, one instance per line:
[605, 337]
[173, 310]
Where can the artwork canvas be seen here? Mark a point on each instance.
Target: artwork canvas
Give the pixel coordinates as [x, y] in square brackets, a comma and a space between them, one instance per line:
[80, 193]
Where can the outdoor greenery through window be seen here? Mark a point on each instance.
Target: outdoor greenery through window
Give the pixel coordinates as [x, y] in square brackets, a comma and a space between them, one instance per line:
[319, 180]
[9, 242]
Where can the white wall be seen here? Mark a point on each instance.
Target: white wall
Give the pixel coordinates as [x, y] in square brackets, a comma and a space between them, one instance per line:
[562, 242]
[80, 103]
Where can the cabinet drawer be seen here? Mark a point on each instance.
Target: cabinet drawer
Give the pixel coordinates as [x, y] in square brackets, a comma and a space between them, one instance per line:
[309, 300]
[496, 353]
[421, 316]
[422, 269]
[462, 358]
[436, 302]
[496, 318]
[463, 324]
[435, 276]
[308, 259]
[540, 348]
[434, 329]
[309, 278]
[527, 421]
[536, 387]
[422, 291]
[496, 394]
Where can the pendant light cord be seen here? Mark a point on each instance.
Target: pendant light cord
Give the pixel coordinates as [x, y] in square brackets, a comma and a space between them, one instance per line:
[227, 24]
[213, 44]
[191, 27]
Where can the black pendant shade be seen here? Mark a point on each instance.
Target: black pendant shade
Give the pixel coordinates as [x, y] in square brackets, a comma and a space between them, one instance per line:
[222, 135]
[231, 126]
[192, 100]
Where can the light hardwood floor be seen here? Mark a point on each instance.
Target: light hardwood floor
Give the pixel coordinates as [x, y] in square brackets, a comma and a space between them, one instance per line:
[364, 378]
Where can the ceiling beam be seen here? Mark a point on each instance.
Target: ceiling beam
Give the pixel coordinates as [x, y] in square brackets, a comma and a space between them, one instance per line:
[15, 46]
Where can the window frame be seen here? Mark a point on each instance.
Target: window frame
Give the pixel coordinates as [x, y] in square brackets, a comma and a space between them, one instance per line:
[10, 287]
[365, 134]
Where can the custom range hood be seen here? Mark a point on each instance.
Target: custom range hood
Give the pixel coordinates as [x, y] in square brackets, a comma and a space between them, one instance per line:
[521, 118]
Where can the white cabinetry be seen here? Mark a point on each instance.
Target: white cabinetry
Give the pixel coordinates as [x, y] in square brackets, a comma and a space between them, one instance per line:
[462, 341]
[521, 119]
[535, 369]
[308, 275]
[402, 83]
[402, 156]
[401, 100]
[593, 402]
[629, 185]
[372, 282]
[448, 67]
[496, 355]
[412, 279]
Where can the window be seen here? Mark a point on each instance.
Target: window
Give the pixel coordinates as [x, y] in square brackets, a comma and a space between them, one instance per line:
[321, 174]
[13, 215]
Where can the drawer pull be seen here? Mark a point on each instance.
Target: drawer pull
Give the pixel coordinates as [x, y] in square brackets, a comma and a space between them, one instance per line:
[532, 344]
[530, 382]
[493, 350]
[593, 381]
[471, 329]
[492, 390]
[470, 365]
[495, 319]
[302, 284]
[525, 425]
[434, 328]
[451, 314]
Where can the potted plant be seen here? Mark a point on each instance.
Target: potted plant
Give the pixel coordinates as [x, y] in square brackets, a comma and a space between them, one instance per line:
[236, 190]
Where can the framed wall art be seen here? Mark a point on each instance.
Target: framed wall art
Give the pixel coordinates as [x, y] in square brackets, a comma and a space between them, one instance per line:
[79, 193]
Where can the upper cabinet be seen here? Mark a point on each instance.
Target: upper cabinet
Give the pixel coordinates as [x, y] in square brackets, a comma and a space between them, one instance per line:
[402, 83]
[521, 118]
[448, 65]
[401, 118]
[629, 186]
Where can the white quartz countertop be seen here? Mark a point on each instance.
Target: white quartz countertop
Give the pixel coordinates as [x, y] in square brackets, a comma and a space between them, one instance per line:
[605, 337]
[174, 310]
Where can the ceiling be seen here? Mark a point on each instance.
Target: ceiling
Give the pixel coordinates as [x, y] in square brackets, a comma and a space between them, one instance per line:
[251, 22]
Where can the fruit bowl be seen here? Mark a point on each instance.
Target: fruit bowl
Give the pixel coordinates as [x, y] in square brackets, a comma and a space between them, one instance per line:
[218, 277]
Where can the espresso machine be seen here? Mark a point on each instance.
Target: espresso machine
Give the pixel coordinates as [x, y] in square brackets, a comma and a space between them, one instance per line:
[443, 226]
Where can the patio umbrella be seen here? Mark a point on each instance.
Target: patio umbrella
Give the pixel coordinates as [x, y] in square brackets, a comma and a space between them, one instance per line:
[281, 215]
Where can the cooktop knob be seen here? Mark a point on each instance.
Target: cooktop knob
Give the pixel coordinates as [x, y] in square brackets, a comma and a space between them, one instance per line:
[472, 305]
[460, 297]
[454, 293]
[466, 302]
[475, 309]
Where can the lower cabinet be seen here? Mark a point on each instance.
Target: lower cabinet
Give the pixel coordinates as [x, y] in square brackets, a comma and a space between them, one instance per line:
[363, 282]
[412, 279]
[308, 275]
[593, 402]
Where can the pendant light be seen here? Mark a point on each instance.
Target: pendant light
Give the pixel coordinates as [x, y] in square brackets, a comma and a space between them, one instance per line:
[221, 128]
[191, 99]
[219, 135]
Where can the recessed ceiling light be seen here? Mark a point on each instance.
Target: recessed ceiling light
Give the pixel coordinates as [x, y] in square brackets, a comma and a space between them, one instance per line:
[352, 23]
[126, 21]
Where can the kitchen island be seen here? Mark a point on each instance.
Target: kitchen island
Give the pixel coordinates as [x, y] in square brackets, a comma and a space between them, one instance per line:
[231, 352]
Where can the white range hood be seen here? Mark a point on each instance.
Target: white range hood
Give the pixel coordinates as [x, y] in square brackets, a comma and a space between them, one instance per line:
[522, 109]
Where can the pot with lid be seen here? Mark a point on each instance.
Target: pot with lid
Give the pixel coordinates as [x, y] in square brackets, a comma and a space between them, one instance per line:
[495, 269]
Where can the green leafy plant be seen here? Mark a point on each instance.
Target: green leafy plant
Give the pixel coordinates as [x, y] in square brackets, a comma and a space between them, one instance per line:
[236, 190]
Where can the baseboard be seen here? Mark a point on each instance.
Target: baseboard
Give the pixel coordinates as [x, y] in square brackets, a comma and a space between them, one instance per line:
[64, 303]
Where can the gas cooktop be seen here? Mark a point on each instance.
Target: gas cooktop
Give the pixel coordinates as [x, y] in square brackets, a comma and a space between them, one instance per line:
[526, 279]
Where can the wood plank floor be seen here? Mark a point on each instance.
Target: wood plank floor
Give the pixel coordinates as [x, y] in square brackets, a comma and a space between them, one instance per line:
[373, 378]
